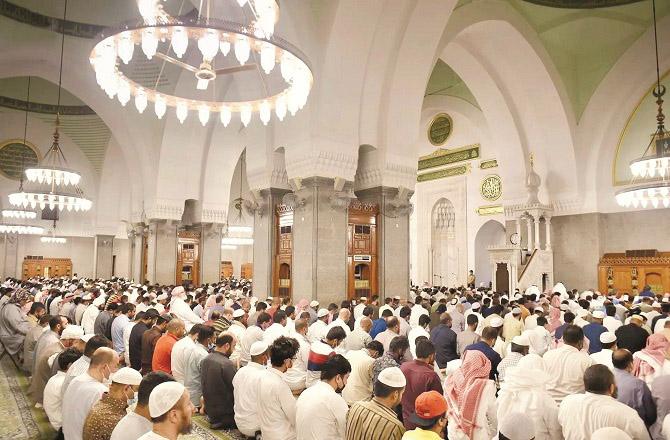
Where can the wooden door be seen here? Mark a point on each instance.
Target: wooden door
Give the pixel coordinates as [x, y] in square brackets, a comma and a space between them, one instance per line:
[502, 278]
[282, 263]
[362, 250]
[188, 257]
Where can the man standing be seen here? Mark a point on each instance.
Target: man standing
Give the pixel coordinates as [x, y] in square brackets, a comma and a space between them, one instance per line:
[513, 326]
[180, 352]
[359, 384]
[149, 339]
[170, 409]
[193, 363]
[134, 424]
[420, 330]
[593, 331]
[110, 409]
[276, 404]
[582, 414]
[468, 336]
[252, 334]
[135, 340]
[631, 390]
[81, 365]
[420, 377]
[519, 348]
[126, 315]
[218, 373]
[430, 417]
[358, 310]
[360, 337]
[296, 376]
[632, 336]
[604, 356]
[246, 392]
[392, 331]
[319, 328]
[566, 365]
[57, 324]
[393, 357]
[53, 398]
[489, 336]
[320, 351]
[161, 360]
[321, 412]
[375, 418]
[445, 341]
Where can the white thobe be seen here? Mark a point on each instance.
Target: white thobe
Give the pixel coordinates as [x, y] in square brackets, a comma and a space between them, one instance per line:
[530, 322]
[321, 414]
[152, 436]
[417, 311]
[611, 323]
[192, 372]
[540, 340]
[78, 367]
[179, 355]
[83, 392]
[88, 319]
[273, 332]
[603, 357]
[385, 338]
[296, 375]
[251, 334]
[358, 311]
[535, 403]
[131, 427]
[565, 366]
[317, 331]
[184, 312]
[412, 335]
[276, 406]
[237, 329]
[53, 401]
[339, 323]
[486, 419]
[357, 339]
[582, 414]
[385, 307]
[359, 385]
[404, 327]
[246, 397]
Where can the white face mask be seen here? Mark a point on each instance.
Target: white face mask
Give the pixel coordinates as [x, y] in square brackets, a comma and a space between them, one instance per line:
[133, 401]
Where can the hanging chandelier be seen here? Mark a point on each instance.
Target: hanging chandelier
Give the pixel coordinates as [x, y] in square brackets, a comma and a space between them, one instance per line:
[655, 161]
[161, 35]
[19, 213]
[52, 172]
[21, 229]
[51, 238]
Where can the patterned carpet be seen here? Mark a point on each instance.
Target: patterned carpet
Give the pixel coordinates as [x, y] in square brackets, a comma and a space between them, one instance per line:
[21, 421]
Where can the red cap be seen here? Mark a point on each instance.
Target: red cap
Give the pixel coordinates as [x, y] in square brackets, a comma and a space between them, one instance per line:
[430, 405]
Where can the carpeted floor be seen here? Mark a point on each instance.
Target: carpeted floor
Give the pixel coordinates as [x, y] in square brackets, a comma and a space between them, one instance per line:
[20, 420]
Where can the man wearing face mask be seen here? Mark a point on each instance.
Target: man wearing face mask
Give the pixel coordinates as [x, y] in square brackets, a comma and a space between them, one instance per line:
[321, 412]
[111, 408]
[376, 419]
[276, 406]
[85, 390]
[217, 382]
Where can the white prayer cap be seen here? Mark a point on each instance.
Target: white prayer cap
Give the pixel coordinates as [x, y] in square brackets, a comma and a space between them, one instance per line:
[534, 290]
[521, 340]
[127, 376]
[164, 397]
[516, 311]
[607, 337]
[179, 292]
[72, 332]
[637, 317]
[517, 426]
[392, 377]
[314, 304]
[558, 288]
[475, 306]
[87, 297]
[162, 296]
[496, 322]
[258, 347]
[363, 298]
[87, 337]
[99, 301]
[598, 314]
[565, 307]
[454, 301]
[656, 304]
[610, 433]
[581, 313]
[238, 313]
[321, 313]
[396, 297]
[269, 298]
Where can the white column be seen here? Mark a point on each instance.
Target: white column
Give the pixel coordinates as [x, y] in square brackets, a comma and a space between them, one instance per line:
[494, 267]
[517, 223]
[537, 232]
[547, 225]
[529, 237]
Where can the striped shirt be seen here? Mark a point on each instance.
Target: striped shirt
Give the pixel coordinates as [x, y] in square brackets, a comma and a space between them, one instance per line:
[318, 355]
[368, 419]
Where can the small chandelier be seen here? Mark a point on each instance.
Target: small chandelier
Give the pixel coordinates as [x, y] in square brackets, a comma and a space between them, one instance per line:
[212, 37]
[655, 162]
[19, 213]
[52, 171]
[51, 237]
[21, 229]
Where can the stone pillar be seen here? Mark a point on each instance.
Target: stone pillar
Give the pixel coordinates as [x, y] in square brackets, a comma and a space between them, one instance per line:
[104, 251]
[547, 225]
[10, 256]
[529, 237]
[136, 254]
[265, 242]
[210, 252]
[537, 232]
[517, 223]
[494, 278]
[162, 252]
[320, 243]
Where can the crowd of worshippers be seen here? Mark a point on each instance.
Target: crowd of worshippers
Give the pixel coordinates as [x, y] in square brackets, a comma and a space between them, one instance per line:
[116, 360]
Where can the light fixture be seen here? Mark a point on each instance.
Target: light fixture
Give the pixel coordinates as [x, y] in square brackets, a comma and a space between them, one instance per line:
[228, 247]
[655, 161]
[236, 229]
[52, 171]
[51, 238]
[254, 46]
[237, 241]
[19, 213]
[21, 229]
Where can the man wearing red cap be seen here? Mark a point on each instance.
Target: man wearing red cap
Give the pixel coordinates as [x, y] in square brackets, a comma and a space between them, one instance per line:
[430, 417]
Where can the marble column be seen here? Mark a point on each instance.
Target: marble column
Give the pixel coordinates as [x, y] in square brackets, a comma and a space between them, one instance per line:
[10, 256]
[547, 225]
[265, 241]
[162, 252]
[320, 243]
[393, 243]
[517, 223]
[210, 252]
[136, 254]
[537, 232]
[529, 236]
[104, 255]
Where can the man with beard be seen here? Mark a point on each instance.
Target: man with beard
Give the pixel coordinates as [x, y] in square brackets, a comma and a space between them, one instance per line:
[217, 372]
[170, 409]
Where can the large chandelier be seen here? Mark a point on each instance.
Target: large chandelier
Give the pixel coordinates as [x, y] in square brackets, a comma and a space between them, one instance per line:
[655, 161]
[19, 213]
[21, 229]
[161, 35]
[52, 172]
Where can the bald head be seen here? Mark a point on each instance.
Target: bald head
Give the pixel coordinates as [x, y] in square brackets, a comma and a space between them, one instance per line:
[176, 327]
[622, 359]
[344, 315]
[103, 355]
[445, 319]
[366, 324]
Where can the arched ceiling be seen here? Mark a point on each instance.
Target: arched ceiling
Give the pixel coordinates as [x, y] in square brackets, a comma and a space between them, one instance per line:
[444, 81]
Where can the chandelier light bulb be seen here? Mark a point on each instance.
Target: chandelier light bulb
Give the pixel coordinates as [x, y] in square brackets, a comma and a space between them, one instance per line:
[225, 47]
[141, 102]
[287, 67]
[208, 44]
[126, 47]
[267, 57]
[225, 115]
[123, 95]
[149, 42]
[242, 49]
[245, 115]
[179, 41]
[160, 107]
[182, 111]
[203, 114]
[280, 107]
[241, 3]
[265, 112]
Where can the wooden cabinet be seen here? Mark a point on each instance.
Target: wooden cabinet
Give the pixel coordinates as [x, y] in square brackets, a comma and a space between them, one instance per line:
[247, 271]
[188, 257]
[629, 272]
[226, 270]
[38, 266]
[362, 250]
[282, 267]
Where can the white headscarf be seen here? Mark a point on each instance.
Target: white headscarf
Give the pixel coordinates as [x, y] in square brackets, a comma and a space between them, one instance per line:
[524, 388]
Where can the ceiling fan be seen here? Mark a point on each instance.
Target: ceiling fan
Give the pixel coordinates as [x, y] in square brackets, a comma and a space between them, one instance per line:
[205, 73]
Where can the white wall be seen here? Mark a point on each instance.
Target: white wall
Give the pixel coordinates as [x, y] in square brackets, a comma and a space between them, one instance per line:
[79, 249]
[491, 233]
[239, 256]
[121, 250]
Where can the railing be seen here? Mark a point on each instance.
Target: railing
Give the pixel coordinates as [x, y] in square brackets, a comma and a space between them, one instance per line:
[528, 262]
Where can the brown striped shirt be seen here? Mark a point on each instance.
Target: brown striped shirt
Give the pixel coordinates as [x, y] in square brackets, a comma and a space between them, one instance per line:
[369, 419]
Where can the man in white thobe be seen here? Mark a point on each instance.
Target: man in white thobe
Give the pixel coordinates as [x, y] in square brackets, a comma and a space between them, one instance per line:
[246, 391]
[180, 352]
[604, 356]
[566, 365]
[319, 328]
[582, 414]
[182, 310]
